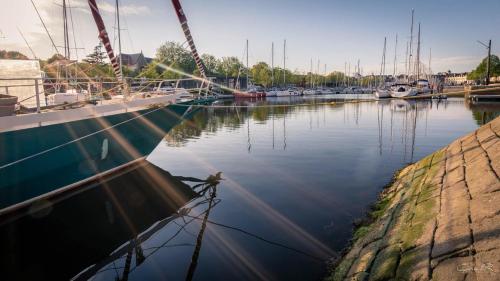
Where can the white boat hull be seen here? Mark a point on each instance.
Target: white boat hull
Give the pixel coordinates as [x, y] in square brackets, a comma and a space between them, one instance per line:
[309, 92]
[380, 94]
[287, 93]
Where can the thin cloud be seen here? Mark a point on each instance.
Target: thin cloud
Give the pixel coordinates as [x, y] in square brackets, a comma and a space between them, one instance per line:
[108, 7]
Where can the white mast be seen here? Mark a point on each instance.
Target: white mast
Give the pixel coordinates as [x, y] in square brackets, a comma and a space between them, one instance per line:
[411, 44]
[395, 57]
[284, 63]
[248, 69]
[430, 70]
[67, 54]
[324, 79]
[317, 74]
[345, 74]
[272, 64]
[311, 74]
[382, 64]
[406, 60]
[359, 73]
[119, 38]
[417, 62]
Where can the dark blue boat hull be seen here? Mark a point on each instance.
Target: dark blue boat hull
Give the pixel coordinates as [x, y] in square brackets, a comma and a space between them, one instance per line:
[40, 160]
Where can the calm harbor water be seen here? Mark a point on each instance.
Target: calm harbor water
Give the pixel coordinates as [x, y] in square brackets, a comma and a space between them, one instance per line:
[292, 180]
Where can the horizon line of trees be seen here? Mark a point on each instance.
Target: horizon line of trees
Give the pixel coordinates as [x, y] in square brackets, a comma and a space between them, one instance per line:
[173, 61]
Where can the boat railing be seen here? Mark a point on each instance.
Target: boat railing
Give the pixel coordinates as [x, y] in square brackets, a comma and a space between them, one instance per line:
[33, 93]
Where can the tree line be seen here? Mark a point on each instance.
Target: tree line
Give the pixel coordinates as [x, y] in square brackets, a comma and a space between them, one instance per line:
[172, 61]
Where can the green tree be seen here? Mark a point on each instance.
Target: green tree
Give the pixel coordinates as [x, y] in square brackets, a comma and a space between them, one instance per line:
[261, 74]
[170, 73]
[97, 56]
[230, 67]
[12, 55]
[211, 64]
[173, 54]
[151, 71]
[480, 72]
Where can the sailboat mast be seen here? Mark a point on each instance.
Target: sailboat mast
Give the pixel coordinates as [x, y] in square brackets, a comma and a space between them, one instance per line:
[382, 64]
[284, 62]
[395, 57]
[317, 74]
[119, 38]
[410, 57]
[406, 60]
[417, 63]
[65, 30]
[359, 73]
[345, 74]
[272, 64]
[187, 33]
[311, 74]
[430, 58]
[349, 75]
[103, 36]
[324, 79]
[247, 64]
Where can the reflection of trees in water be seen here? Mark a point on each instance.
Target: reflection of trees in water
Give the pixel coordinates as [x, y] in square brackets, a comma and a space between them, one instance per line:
[483, 117]
[212, 119]
[483, 112]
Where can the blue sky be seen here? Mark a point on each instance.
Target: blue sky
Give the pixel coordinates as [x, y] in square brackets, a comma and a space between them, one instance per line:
[334, 32]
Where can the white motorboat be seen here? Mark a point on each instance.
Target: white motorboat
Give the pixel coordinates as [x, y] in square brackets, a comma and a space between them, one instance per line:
[352, 90]
[382, 93]
[273, 92]
[288, 92]
[423, 86]
[309, 92]
[403, 90]
[325, 91]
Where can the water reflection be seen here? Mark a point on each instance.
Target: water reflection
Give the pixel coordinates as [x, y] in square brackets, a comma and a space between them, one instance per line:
[405, 116]
[295, 178]
[109, 228]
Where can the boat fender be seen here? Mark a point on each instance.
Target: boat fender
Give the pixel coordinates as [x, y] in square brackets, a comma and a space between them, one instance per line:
[104, 149]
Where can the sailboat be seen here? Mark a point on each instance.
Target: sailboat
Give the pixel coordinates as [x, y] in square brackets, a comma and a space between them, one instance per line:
[311, 90]
[422, 85]
[400, 90]
[273, 91]
[48, 152]
[252, 91]
[286, 91]
[382, 91]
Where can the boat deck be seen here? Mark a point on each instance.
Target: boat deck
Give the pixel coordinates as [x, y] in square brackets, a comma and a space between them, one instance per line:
[103, 108]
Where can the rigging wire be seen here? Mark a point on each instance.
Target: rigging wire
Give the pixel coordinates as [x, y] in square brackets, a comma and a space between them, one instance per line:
[45, 27]
[73, 28]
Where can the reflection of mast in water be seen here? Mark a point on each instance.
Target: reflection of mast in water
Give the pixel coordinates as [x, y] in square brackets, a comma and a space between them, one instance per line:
[414, 131]
[324, 115]
[404, 133]
[199, 238]
[272, 114]
[284, 131]
[248, 134]
[204, 190]
[310, 121]
[392, 120]
[426, 116]
[380, 119]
